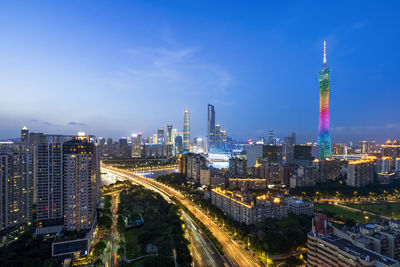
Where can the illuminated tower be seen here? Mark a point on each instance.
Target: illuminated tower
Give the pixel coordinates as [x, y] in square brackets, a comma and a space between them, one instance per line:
[186, 130]
[324, 137]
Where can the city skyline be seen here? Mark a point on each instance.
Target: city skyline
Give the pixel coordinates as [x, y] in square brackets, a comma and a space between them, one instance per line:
[111, 71]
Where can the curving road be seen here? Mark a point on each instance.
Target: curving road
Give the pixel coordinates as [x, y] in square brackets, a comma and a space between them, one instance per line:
[203, 251]
[235, 253]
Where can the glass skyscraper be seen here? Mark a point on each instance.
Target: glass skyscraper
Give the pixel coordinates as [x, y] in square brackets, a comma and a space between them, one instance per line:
[324, 137]
[186, 130]
[210, 128]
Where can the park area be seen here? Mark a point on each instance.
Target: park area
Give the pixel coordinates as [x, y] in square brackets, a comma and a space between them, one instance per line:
[387, 209]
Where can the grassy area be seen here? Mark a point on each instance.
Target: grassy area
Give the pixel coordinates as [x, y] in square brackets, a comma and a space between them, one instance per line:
[387, 209]
[133, 247]
[343, 214]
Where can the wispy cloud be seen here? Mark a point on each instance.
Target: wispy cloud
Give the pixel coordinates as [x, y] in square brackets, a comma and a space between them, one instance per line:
[73, 123]
[177, 69]
[365, 128]
[51, 124]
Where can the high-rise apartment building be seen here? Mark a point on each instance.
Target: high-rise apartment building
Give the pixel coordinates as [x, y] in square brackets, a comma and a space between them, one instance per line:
[211, 128]
[324, 137]
[48, 174]
[66, 173]
[360, 172]
[16, 185]
[80, 183]
[186, 130]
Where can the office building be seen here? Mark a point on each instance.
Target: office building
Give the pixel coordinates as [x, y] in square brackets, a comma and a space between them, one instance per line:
[178, 145]
[174, 134]
[124, 151]
[324, 138]
[168, 136]
[160, 136]
[288, 150]
[186, 130]
[360, 172]
[271, 137]
[16, 184]
[211, 128]
[136, 146]
[25, 135]
[259, 153]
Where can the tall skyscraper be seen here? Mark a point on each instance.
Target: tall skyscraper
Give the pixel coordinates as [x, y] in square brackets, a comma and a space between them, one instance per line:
[324, 137]
[211, 128]
[186, 130]
[16, 185]
[174, 134]
[48, 173]
[81, 183]
[136, 146]
[24, 134]
[123, 148]
[160, 136]
[168, 138]
[271, 137]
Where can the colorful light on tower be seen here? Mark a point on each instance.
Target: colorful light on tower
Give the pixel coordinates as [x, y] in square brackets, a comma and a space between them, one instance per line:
[324, 137]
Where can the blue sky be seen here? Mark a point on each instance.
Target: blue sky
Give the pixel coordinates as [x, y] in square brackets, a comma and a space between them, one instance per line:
[113, 68]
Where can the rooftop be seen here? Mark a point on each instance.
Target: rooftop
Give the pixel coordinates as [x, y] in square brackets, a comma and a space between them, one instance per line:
[359, 252]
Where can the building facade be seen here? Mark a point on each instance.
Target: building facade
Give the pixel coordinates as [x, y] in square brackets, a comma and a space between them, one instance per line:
[16, 184]
[324, 138]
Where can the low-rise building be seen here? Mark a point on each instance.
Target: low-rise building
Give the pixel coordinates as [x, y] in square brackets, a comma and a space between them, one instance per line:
[299, 206]
[241, 207]
[327, 247]
[383, 237]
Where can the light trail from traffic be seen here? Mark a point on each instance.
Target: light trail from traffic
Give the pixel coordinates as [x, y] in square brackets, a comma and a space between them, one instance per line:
[203, 251]
[234, 252]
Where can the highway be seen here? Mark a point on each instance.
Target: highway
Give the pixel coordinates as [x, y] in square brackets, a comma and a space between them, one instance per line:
[110, 257]
[203, 251]
[235, 253]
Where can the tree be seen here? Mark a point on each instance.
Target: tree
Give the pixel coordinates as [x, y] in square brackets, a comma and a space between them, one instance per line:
[99, 249]
[120, 224]
[105, 222]
[98, 263]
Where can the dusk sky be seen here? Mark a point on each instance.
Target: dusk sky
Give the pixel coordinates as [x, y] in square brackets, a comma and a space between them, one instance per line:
[113, 68]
